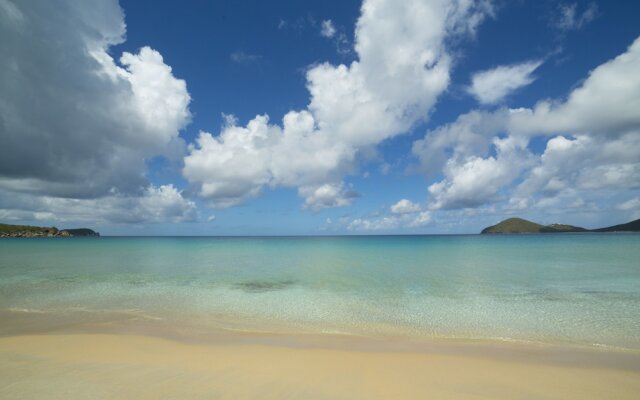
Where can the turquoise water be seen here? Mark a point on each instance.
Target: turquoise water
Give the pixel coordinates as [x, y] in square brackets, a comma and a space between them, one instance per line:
[567, 288]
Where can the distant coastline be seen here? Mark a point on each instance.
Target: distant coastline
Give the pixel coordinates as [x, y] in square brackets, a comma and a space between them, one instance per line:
[519, 225]
[508, 226]
[7, 230]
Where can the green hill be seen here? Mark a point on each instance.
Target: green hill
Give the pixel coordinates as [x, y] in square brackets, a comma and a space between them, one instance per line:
[10, 230]
[554, 228]
[519, 225]
[7, 230]
[82, 232]
[633, 226]
[514, 225]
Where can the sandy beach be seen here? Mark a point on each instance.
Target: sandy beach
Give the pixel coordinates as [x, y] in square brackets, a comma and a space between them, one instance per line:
[321, 318]
[113, 366]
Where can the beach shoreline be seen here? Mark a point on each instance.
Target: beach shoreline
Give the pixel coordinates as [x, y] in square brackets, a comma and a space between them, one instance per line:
[339, 318]
[112, 365]
[132, 357]
[236, 330]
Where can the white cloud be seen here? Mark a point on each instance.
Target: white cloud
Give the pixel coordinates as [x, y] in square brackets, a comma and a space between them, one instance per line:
[340, 39]
[492, 86]
[569, 18]
[602, 118]
[390, 222]
[631, 204]
[327, 195]
[473, 181]
[606, 103]
[363, 224]
[240, 156]
[583, 164]
[155, 205]
[159, 98]
[405, 206]
[470, 135]
[163, 203]
[404, 214]
[402, 67]
[421, 219]
[327, 29]
[592, 155]
[73, 122]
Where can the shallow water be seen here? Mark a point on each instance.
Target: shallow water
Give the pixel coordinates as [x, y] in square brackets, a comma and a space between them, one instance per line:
[560, 288]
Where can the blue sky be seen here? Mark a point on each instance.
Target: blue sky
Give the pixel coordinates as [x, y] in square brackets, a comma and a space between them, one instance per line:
[433, 116]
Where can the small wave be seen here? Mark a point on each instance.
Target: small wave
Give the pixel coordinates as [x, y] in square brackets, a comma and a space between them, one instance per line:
[26, 310]
[135, 312]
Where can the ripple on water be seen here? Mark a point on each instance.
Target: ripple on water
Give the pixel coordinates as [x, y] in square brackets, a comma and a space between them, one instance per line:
[257, 286]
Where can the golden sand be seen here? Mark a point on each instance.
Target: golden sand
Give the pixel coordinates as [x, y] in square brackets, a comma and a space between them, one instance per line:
[111, 366]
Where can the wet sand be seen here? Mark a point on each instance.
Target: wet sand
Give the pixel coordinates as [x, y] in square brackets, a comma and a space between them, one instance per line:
[117, 366]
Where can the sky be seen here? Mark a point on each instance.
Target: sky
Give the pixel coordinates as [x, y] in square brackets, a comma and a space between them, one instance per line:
[318, 117]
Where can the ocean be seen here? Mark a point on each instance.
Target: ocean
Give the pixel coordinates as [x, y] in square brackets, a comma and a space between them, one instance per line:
[574, 289]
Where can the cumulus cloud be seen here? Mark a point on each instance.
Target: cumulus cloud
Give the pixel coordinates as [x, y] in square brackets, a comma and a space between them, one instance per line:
[404, 214]
[473, 181]
[328, 195]
[240, 157]
[390, 222]
[327, 29]
[470, 135]
[606, 103]
[592, 147]
[420, 219]
[75, 123]
[599, 146]
[492, 86]
[402, 67]
[582, 164]
[156, 204]
[405, 206]
[160, 100]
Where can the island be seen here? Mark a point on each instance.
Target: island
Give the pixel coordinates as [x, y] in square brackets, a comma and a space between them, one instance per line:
[633, 226]
[519, 225]
[7, 230]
